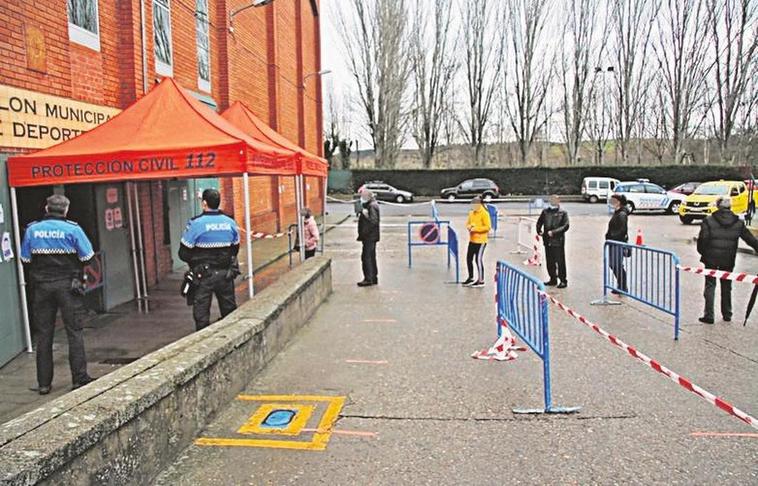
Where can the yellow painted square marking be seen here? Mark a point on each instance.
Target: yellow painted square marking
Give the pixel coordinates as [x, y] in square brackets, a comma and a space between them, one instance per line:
[254, 425]
[317, 443]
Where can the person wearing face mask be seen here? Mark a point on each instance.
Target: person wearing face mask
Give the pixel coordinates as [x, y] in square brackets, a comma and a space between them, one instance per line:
[552, 226]
[368, 235]
[478, 225]
[618, 230]
[311, 233]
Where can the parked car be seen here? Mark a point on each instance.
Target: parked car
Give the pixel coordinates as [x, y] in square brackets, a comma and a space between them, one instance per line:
[646, 196]
[470, 188]
[687, 188]
[595, 189]
[701, 203]
[385, 192]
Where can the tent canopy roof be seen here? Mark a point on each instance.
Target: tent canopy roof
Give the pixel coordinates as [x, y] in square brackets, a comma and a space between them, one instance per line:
[243, 118]
[165, 134]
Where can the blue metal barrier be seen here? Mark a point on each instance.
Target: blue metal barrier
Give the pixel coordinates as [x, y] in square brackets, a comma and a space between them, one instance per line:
[522, 305]
[436, 242]
[435, 211]
[452, 250]
[492, 209]
[647, 275]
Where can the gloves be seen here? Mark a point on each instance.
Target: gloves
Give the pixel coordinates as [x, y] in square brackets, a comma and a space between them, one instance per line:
[365, 213]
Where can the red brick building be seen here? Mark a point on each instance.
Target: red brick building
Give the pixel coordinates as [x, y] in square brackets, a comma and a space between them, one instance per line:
[94, 56]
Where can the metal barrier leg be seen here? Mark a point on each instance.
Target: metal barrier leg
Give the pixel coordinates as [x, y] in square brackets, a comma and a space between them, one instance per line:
[410, 261]
[605, 300]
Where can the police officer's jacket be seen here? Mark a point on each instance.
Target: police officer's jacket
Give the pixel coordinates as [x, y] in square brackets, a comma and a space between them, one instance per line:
[55, 248]
[211, 238]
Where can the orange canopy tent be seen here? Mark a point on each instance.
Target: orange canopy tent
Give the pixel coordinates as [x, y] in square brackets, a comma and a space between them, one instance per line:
[244, 119]
[165, 134]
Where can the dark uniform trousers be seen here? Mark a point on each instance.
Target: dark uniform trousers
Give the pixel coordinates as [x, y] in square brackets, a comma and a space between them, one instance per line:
[48, 298]
[555, 257]
[215, 282]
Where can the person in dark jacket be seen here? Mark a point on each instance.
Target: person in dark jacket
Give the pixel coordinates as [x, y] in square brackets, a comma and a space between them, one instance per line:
[717, 244]
[618, 230]
[552, 226]
[368, 235]
[56, 251]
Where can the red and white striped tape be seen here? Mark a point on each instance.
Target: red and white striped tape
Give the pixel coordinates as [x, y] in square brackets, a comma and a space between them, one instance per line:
[720, 274]
[504, 348]
[266, 236]
[536, 258]
[676, 378]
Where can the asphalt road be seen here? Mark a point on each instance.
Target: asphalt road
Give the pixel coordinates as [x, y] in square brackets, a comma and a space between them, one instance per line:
[448, 209]
[419, 410]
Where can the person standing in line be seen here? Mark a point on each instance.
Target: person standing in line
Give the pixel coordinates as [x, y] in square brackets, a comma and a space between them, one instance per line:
[56, 251]
[552, 226]
[478, 225]
[311, 233]
[717, 244]
[368, 235]
[618, 230]
[209, 246]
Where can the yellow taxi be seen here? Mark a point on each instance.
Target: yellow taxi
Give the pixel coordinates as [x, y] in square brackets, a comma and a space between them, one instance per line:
[702, 202]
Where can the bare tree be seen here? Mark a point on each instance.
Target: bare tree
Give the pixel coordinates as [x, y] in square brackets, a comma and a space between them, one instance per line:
[482, 64]
[653, 113]
[734, 37]
[632, 23]
[433, 70]
[337, 142]
[682, 53]
[529, 71]
[376, 43]
[601, 113]
[580, 51]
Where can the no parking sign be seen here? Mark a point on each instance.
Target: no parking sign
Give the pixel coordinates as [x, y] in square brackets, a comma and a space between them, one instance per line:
[430, 233]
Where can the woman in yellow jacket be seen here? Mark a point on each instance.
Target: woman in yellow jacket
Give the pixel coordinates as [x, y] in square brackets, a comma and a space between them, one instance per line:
[478, 225]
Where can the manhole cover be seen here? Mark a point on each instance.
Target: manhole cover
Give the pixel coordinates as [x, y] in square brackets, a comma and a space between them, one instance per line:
[118, 361]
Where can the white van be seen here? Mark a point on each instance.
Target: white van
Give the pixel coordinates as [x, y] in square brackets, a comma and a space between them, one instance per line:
[596, 188]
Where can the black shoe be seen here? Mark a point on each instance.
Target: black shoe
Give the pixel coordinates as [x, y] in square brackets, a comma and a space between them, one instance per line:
[468, 282]
[87, 380]
[705, 320]
[365, 283]
[551, 283]
[478, 284]
[563, 285]
[43, 390]
[615, 292]
[375, 281]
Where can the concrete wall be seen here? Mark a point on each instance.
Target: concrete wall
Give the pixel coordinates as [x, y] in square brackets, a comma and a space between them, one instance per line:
[126, 427]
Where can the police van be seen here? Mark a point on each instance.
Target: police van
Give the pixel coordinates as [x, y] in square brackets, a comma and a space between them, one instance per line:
[642, 195]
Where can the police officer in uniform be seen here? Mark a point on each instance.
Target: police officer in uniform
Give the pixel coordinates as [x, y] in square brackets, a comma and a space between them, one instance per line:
[56, 251]
[210, 244]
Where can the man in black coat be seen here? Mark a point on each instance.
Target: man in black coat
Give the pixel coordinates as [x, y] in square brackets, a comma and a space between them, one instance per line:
[368, 235]
[552, 226]
[717, 244]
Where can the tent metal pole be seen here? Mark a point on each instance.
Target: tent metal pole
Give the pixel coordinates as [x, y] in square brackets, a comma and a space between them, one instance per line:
[248, 237]
[134, 244]
[141, 246]
[21, 277]
[300, 205]
[323, 215]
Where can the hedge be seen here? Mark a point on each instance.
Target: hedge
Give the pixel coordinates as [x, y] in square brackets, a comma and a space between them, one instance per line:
[534, 181]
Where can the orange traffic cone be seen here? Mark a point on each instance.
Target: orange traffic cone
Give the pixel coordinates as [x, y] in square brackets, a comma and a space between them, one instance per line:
[638, 241]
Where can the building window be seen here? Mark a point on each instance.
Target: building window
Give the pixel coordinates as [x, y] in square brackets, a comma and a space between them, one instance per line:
[83, 26]
[203, 45]
[164, 64]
